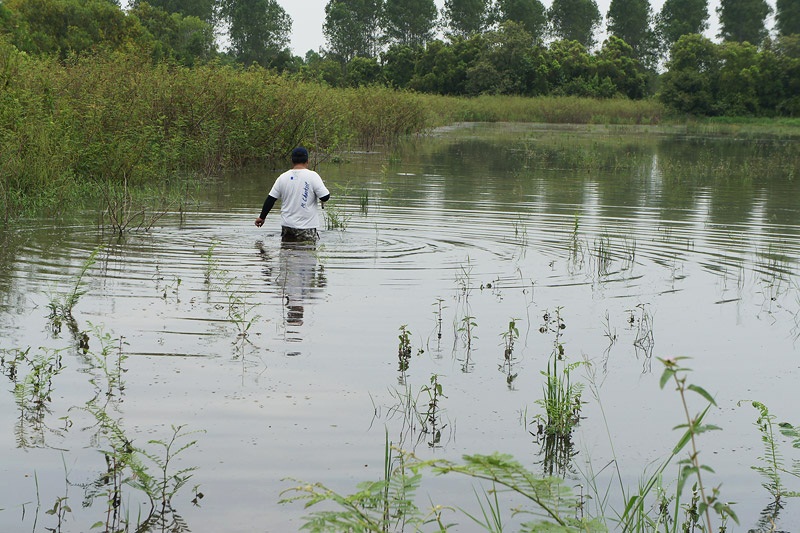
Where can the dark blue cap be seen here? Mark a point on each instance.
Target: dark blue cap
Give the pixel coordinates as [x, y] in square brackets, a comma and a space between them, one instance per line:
[299, 155]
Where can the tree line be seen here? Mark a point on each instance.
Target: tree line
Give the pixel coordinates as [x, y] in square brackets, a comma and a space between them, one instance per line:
[470, 47]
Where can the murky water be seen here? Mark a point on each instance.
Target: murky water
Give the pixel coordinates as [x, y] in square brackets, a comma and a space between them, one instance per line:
[646, 245]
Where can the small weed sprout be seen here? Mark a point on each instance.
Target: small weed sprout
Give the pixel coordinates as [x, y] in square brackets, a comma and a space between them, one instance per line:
[167, 483]
[210, 263]
[467, 330]
[438, 313]
[432, 423]
[404, 348]
[509, 337]
[239, 307]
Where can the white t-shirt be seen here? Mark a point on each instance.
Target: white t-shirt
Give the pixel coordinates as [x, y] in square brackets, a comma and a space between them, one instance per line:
[298, 190]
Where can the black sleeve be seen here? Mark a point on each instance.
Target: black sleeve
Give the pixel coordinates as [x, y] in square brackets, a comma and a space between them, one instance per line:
[325, 198]
[268, 203]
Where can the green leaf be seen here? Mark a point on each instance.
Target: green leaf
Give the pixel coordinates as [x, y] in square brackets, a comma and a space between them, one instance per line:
[702, 392]
[666, 376]
[682, 442]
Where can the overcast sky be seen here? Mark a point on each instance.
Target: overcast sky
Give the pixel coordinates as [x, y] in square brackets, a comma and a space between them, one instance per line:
[308, 16]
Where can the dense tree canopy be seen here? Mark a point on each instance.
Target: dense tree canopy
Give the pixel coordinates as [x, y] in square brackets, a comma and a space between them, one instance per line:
[530, 13]
[390, 42]
[743, 20]
[185, 39]
[464, 18]
[352, 27]
[630, 20]
[205, 10]
[575, 20]
[258, 29]
[680, 17]
[787, 17]
[66, 26]
[409, 22]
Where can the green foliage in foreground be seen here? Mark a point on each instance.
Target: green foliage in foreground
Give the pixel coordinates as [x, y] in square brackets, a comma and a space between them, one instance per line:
[510, 489]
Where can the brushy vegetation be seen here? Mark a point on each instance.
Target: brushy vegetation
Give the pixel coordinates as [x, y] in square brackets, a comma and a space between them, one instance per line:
[92, 127]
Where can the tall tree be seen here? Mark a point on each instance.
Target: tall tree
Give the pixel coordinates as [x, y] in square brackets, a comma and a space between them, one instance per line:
[787, 17]
[258, 29]
[530, 13]
[743, 20]
[575, 20]
[680, 17]
[409, 22]
[202, 9]
[630, 20]
[466, 17]
[352, 28]
[72, 26]
[186, 39]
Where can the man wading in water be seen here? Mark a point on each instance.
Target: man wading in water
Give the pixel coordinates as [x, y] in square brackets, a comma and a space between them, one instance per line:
[298, 190]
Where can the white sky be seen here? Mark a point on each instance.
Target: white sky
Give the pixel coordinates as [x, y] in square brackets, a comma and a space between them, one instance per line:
[308, 16]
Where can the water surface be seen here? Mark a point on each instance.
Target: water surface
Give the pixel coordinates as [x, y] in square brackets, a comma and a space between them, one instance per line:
[647, 245]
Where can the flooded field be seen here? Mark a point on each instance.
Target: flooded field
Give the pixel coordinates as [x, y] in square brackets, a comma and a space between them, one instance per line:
[182, 379]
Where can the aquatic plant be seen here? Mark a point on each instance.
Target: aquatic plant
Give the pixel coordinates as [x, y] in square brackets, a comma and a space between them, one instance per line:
[635, 515]
[211, 265]
[32, 377]
[336, 218]
[239, 306]
[130, 209]
[126, 467]
[404, 348]
[510, 336]
[547, 500]
[772, 462]
[378, 506]
[467, 330]
[109, 360]
[432, 418]
[562, 398]
[62, 303]
[438, 314]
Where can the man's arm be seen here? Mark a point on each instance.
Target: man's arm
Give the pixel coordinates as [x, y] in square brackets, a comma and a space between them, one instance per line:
[324, 199]
[268, 203]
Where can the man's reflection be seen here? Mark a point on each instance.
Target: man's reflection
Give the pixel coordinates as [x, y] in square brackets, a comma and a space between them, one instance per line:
[299, 278]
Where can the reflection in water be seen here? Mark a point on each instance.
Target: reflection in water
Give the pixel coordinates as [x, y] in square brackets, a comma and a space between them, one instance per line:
[299, 276]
